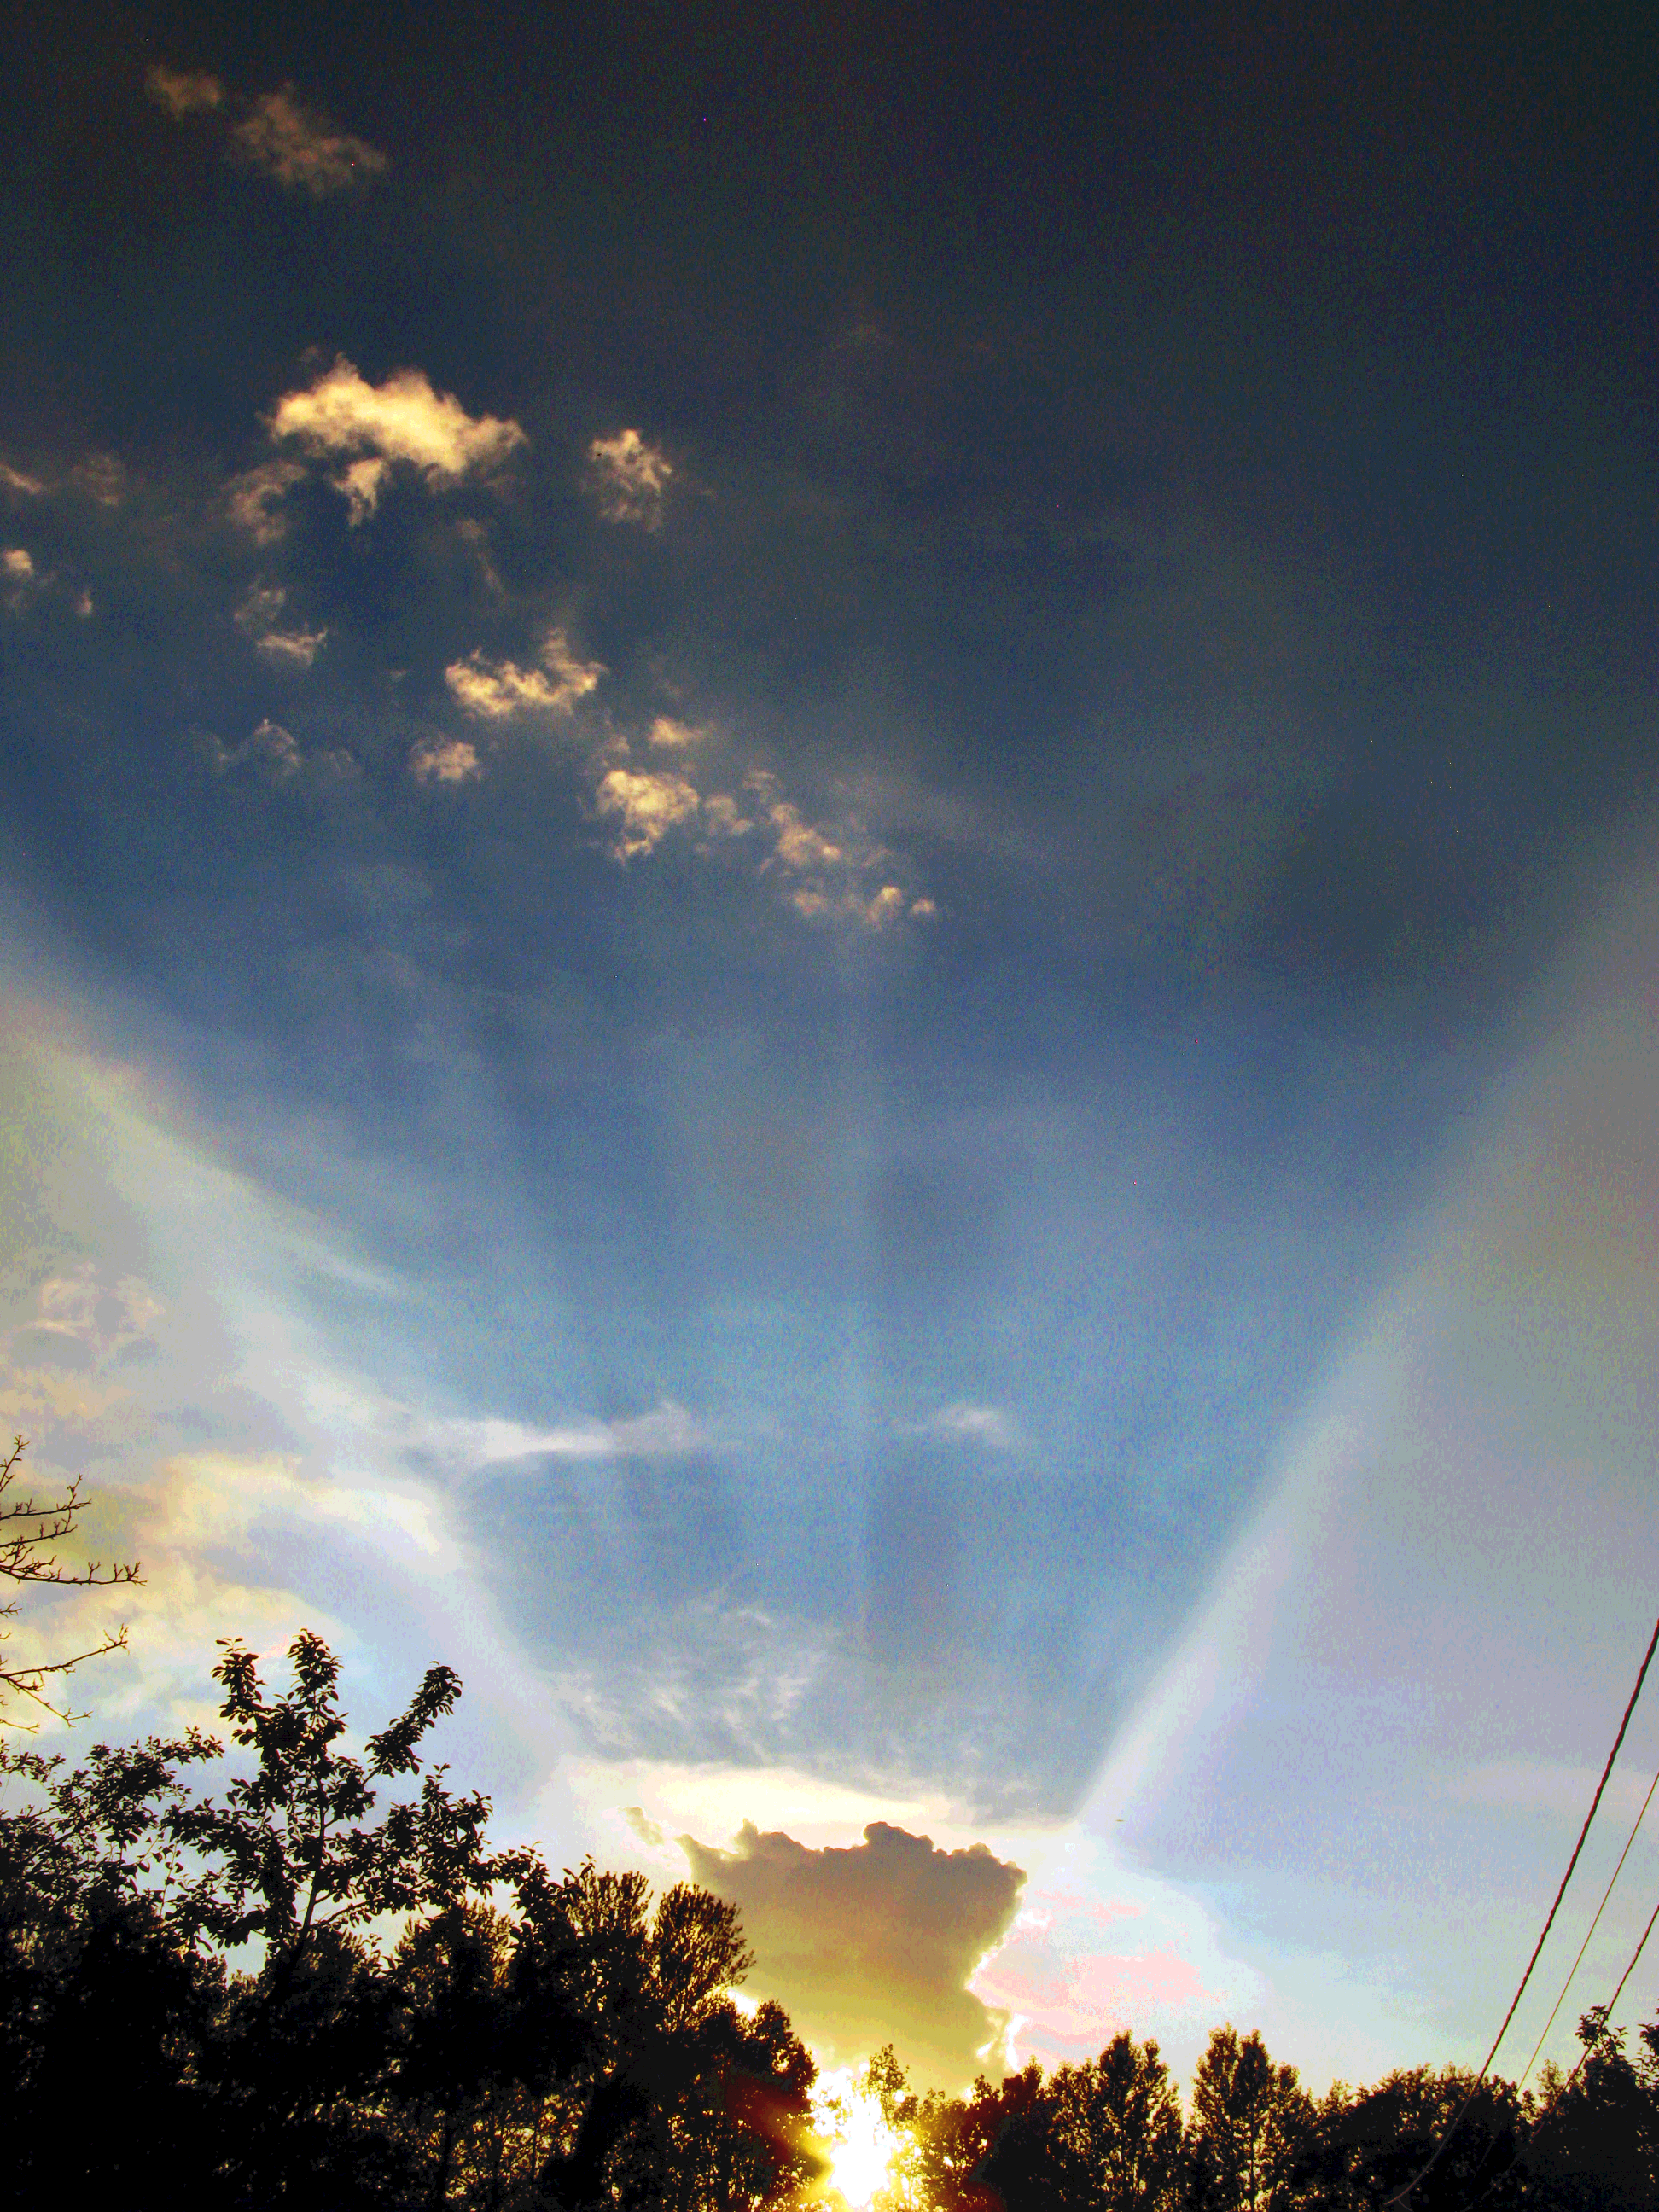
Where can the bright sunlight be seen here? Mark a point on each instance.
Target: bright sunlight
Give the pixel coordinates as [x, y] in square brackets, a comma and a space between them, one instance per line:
[857, 2138]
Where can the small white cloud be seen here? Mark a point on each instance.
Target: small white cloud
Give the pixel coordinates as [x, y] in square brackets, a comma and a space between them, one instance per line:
[83, 606]
[491, 690]
[923, 909]
[403, 419]
[18, 564]
[962, 1421]
[667, 1431]
[15, 480]
[886, 905]
[449, 760]
[648, 806]
[183, 92]
[630, 478]
[302, 149]
[255, 500]
[674, 736]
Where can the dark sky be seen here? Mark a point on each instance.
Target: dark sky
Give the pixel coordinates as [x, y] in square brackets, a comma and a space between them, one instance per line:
[792, 803]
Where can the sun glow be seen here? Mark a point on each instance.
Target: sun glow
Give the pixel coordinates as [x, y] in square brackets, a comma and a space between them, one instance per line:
[856, 2137]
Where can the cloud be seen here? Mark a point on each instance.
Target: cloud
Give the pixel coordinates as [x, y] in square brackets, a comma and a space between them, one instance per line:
[183, 92]
[20, 576]
[102, 477]
[648, 806]
[799, 845]
[667, 1431]
[257, 619]
[964, 1422]
[491, 690]
[630, 478]
[276, 752]
[403, 419]
[448, 760]
[723, 817]
[254, 500]
[673, 737]
[302, 149]
[15, 480]
[872, 1943]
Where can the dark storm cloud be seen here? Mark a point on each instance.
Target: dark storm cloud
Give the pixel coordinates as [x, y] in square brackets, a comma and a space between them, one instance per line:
[872, 1943]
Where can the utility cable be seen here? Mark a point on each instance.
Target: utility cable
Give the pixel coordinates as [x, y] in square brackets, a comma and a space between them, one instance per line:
[1606, 2014]
[1591, 1931]
[1400, 2195]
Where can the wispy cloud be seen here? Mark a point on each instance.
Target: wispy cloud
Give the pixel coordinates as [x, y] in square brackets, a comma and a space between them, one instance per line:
[493, 691]
[667, 1431]
[183, 92]
[258, 618]
[630, 479]
[275, 753]
[15, 480]
[401, 420]
[255, 499]
[963, 1421]
[302, 150]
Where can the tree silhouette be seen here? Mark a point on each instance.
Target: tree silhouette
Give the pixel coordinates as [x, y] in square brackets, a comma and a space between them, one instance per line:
[1250, 2122]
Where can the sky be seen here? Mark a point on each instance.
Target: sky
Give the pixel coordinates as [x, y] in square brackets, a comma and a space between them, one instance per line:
[828, 925]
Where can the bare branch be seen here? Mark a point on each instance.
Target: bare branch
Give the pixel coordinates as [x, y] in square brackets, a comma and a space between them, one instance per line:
[28, 1555]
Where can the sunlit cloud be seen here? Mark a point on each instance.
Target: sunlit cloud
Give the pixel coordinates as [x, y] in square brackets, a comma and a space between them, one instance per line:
[493, 691]
[15, 480]
[402, 420]
[876, 1941]
[444, 760]
[183, 92]
[723, 817]
[646, 807]
[258, 618]
[671, 736]
[300, 148]
[255, 499]
[630, 478]
[799, 844]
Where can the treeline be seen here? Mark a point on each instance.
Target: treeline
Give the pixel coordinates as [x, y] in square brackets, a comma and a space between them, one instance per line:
[284, 1992]
[1109, 2134]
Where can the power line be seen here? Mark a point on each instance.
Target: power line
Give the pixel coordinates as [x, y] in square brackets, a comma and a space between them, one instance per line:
[1606, 2013]
[1591, 1931]
[1400, 2195]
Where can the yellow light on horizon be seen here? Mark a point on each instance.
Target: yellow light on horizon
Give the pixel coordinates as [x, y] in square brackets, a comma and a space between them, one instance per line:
[858, 2141]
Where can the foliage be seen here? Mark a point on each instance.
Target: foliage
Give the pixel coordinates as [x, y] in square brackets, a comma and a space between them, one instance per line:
[320, 1987]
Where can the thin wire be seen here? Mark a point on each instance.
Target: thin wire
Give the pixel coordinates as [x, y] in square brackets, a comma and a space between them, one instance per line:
[1608, 2011]
[1584, 1946]
[1400, 2195]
